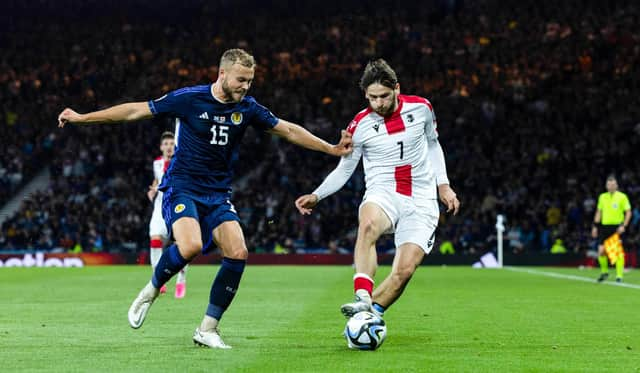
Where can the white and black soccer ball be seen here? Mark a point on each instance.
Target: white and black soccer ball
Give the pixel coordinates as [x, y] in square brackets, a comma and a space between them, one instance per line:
[365, 331]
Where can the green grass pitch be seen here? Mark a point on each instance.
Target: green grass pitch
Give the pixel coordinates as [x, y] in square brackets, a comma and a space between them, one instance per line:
[286, 318]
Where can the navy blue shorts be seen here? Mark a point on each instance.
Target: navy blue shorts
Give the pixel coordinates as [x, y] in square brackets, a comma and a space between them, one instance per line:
[210, 211]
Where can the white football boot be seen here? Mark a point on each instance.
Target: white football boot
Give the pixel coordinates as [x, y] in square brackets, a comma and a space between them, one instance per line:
[362, 303]
[209, 339]
[142, 303]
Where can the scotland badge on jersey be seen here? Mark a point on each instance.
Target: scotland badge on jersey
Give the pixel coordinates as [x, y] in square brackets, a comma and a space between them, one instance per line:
[236, 118]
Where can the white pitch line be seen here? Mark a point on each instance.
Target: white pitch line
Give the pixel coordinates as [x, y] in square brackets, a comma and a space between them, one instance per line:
[571, 277]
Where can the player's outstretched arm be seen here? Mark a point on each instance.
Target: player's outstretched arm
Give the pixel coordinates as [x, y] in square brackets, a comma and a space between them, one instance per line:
[298, 135]
[332, 183]
[128, 112]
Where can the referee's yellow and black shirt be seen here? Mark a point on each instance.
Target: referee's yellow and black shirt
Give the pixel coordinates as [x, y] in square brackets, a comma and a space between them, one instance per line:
[613, 206]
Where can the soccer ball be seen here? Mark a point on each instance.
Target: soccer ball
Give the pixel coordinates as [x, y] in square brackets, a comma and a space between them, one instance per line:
[365, 331]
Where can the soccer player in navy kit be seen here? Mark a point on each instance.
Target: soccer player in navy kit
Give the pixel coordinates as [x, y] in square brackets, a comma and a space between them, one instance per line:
[210, 123]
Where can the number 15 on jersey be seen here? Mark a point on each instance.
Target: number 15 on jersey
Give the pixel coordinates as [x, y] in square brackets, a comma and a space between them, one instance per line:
[220, 135]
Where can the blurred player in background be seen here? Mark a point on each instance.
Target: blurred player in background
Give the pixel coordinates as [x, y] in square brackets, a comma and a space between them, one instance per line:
[405, 172]
[211, 120]
[158, 233]
[611, 220]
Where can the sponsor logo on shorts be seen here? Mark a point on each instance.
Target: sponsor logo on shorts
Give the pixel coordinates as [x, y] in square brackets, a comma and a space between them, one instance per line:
[179, 208]
[236, 118]
[431, 239]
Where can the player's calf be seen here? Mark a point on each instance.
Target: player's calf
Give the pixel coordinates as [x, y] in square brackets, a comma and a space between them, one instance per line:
[399, 278]
[170, 263]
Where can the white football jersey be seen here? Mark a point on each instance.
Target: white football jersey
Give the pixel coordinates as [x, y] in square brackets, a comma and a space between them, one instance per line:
[160, 165]
[395, 148]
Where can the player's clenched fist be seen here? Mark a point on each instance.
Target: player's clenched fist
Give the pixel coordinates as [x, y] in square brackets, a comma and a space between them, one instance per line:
[68, 116]
[306, 203]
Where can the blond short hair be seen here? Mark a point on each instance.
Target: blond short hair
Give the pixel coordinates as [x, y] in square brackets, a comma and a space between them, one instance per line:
[237, 56]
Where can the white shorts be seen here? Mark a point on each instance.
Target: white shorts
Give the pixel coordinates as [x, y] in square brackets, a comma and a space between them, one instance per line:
[412, 219]
[157, 227]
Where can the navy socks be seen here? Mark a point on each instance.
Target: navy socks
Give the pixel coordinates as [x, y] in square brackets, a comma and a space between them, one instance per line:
[170, 263]
[224, 287]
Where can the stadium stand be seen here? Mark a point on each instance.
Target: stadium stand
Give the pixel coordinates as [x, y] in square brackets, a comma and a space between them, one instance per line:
[533, 114]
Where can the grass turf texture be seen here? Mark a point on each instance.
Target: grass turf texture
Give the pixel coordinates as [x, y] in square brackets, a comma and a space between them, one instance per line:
[287, 319]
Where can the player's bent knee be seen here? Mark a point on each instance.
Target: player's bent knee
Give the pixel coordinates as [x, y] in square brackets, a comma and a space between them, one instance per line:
[189, 249]
[237, 252]
[368, 228]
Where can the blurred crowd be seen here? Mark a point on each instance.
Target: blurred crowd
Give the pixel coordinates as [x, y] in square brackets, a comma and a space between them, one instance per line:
[536, 102]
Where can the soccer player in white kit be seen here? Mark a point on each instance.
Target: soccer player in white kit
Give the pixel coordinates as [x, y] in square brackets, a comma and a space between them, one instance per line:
[158, 235]
[404, 173]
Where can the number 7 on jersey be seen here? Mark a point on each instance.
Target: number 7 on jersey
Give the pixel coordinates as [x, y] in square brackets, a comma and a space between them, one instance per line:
[401, 149]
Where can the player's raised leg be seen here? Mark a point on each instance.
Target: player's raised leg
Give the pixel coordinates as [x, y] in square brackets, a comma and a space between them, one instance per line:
[373, 222]
[408, 257]
[187, 246]
[229, 238]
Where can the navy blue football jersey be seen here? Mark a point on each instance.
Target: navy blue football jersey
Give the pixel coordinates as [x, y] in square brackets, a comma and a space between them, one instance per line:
[208, 133]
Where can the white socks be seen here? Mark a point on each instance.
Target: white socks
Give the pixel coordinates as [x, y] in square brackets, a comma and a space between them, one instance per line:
[208, 324]
[155, 253]
[182, 275]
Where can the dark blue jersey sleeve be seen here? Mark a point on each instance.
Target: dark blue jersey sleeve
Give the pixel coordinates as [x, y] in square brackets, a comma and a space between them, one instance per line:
[174, 103]
[262, 118]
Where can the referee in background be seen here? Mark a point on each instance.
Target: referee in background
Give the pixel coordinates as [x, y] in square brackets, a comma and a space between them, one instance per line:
[612, 216]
